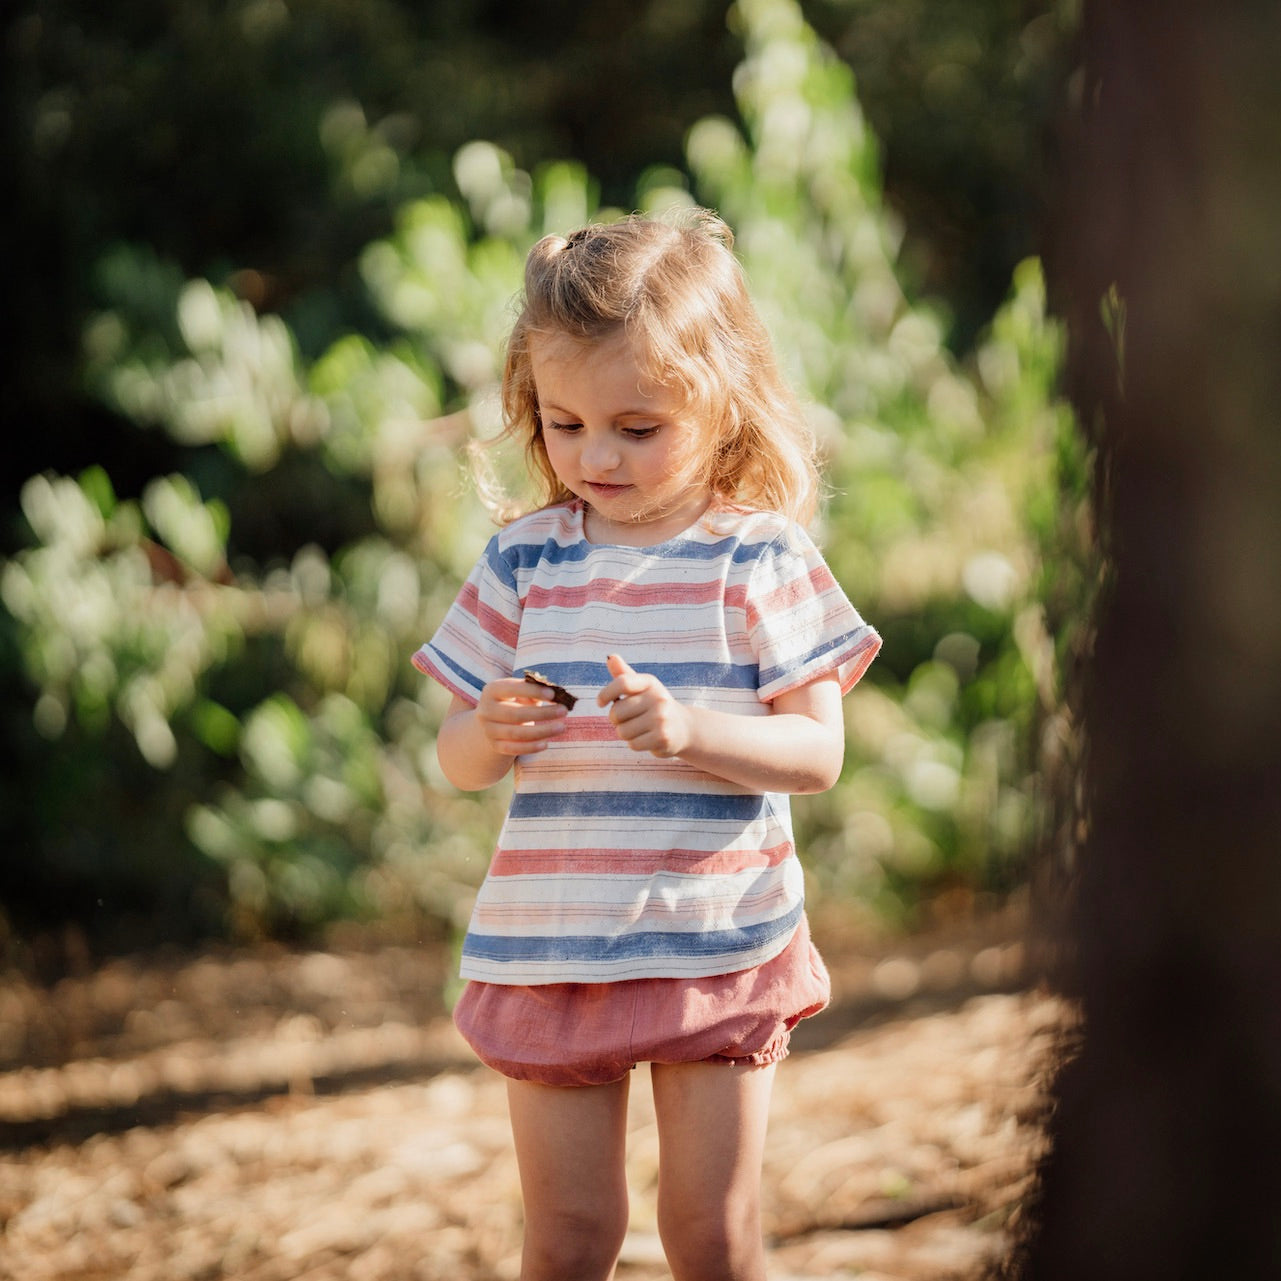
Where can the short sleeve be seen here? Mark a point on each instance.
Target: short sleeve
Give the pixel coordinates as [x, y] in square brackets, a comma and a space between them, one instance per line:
[801, 623]
[476, 641]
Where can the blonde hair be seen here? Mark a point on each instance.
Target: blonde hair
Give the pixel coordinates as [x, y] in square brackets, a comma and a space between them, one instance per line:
[675, 288]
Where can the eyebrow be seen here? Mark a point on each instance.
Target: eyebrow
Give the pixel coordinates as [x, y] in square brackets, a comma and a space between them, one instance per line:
[551, 408]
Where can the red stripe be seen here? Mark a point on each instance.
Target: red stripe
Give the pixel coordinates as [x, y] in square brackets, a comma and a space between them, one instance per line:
[592, 729]
[790, 594]
[498, 626]
[429, 668]
[598, 862]
[491, 622]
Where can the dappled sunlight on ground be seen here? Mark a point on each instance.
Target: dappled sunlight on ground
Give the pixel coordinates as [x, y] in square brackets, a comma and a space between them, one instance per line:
[311, 1116]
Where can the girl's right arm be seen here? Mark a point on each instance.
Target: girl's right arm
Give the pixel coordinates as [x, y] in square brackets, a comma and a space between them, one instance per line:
[477, 745]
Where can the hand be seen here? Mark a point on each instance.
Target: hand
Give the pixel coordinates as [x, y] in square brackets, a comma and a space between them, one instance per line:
[517, 717]
[647, 717]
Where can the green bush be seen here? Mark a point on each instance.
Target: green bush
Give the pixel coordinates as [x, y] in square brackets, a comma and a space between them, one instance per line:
[268, 698]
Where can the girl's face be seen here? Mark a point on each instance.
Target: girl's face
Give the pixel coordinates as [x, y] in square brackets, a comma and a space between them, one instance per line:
[617, 441]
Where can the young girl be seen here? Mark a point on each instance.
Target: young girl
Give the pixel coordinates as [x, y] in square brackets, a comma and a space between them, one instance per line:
[645, 899]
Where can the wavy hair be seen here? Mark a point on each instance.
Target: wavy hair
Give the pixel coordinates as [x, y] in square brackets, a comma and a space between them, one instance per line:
[676, 289]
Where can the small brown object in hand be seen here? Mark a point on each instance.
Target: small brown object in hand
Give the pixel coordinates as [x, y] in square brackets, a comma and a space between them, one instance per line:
[558, 692]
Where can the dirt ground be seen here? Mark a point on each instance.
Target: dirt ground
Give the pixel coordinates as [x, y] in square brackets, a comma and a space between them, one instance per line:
[277, 1115]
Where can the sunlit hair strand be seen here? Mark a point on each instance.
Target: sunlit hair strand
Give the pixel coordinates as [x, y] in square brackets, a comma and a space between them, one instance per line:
[676, 290]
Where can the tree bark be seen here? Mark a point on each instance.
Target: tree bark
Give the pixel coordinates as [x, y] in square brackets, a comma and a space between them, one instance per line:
[1166, 1161]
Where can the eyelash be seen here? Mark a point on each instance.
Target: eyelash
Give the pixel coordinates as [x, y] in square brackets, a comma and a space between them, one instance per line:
[635, 433]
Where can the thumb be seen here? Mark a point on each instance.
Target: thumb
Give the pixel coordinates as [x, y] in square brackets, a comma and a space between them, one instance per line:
[617, 665]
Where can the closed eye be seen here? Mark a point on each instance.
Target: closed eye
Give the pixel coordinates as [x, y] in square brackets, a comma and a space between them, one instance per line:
[632, 433]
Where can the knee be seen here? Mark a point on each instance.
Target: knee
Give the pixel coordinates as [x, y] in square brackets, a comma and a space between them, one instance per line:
[713, 1244]
[574, 1246]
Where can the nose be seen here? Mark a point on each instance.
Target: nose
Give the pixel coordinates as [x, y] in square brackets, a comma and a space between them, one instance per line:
[599, 456]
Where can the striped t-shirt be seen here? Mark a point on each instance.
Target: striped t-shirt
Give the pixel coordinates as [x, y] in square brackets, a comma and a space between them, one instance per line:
[613, 864]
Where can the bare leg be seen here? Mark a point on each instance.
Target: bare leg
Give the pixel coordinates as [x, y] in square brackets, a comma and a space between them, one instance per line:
[570, 1148]
[712, 1119]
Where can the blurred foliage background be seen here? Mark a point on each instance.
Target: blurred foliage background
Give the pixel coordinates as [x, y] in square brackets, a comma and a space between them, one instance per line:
[263, 256]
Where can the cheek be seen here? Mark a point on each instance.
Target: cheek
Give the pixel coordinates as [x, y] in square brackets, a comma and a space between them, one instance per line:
[557, 450]
[683, 462]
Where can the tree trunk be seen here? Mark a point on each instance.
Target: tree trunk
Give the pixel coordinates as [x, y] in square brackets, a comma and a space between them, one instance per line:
[1167, 1140]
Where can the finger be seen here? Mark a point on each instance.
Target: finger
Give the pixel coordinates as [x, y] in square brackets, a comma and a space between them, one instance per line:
[624, 710]
[641, 739]
[538, 712]
[511, 747]
[523, 732]
[518, 695]
[630, 734]
[537, 716]
[613, 690]
[515, 689]
[526, 737]
[627, 681]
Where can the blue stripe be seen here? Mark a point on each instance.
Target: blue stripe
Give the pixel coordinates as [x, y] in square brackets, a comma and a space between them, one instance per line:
[753, 552]
[599, 949]
[673, 675]
[800, 662]
[465, 678]
[509, 559]
[653, 805]
[521, 556]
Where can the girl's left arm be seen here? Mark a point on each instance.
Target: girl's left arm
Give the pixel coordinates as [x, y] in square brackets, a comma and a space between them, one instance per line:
[799, 748]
